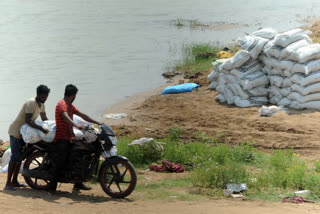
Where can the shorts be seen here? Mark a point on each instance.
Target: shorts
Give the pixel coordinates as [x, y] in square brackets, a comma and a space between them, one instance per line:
[16, 146]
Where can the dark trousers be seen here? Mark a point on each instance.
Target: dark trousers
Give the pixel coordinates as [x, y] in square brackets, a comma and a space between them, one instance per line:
[59, 155]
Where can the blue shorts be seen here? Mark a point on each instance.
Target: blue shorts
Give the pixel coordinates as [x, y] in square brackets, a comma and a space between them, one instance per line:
[16, 145]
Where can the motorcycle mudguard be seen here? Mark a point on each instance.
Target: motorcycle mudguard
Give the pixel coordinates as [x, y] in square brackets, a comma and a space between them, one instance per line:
[111, 160]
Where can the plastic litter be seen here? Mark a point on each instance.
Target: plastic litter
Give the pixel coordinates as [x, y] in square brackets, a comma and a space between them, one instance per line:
[224, 55]
[237, 187]
[267, 111]
[144, 140]
[302, 193]
[115, 116]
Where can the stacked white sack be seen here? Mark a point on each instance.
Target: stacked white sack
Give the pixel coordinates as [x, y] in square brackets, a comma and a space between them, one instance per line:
[306, 78]
[242, 85]
[213, 77]
[241, 80]
[277, 58]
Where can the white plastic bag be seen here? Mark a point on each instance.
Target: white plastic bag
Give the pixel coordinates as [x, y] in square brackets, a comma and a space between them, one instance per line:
[268, 111]
[5, 160]
[29, 134]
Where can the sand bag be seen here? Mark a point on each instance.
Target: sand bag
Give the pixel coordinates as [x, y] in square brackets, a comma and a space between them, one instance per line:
[275, 71]
[213, 85]
[285, 91]
[259, 91]
[307, 67]
[297, 78]
[221, 98]
[314, 88]
[261, 81]
[272, 50]
[254, 76]
[306, 53]
[238, 91]
[214, 75]
[293, 47]
[253, 45]
[284, 102]
[266, 33]
[242, 103]
[291, 36]
[286, 83]
[304, 99]
[236, 61]
[276, 80]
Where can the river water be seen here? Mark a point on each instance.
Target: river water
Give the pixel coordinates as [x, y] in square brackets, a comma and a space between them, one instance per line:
[112, 49]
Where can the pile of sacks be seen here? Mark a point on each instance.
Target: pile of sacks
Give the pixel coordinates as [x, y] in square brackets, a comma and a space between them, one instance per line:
[241, 80]
[277, 68]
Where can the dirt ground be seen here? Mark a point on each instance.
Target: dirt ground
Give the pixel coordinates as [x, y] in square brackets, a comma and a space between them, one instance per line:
[26, 200]
[151, 114]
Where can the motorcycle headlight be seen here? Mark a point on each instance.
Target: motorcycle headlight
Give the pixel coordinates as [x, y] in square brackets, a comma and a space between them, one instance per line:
[114, 140]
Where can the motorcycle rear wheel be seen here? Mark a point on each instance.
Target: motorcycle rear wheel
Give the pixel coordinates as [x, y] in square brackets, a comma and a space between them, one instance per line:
[35, 160]
[118, 179]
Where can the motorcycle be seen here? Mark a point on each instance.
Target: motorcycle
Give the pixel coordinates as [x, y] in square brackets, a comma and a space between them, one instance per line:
[86, 161]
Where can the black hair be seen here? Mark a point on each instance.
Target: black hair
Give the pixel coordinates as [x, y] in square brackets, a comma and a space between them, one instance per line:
[70, 90]
[43, 89]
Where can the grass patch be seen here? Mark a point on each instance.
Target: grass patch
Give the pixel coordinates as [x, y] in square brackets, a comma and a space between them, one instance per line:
[198, 57]
[168, 189]
[213, 165]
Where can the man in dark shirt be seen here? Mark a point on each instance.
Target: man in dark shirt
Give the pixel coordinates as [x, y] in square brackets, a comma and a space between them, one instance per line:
[64, 134]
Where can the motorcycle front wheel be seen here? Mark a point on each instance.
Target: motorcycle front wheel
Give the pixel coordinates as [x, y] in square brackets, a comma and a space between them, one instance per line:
[118, 178]
[33, 162]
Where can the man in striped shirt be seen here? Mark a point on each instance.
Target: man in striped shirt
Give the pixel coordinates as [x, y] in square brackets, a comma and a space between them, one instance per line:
[64, 133]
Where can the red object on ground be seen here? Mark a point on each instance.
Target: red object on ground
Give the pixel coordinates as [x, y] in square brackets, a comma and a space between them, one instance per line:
[167, 167]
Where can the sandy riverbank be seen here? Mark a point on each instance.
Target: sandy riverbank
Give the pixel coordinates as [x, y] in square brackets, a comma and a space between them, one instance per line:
[152, 114]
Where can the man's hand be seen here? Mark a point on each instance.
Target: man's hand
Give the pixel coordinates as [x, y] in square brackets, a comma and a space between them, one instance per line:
[44, 130]
[83, 128]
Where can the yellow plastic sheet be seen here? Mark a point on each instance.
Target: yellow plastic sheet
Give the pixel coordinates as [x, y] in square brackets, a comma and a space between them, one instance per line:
[224, 55]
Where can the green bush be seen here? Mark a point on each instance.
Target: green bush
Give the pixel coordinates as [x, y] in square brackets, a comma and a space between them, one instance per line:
[191, 155]
[215, 175]
[317, 165]
[140, 154]
[175, 133]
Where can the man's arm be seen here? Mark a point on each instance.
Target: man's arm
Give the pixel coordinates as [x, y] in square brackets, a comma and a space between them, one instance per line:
[32, 124]
[87, 118]
[43, 116]
[68, 120]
